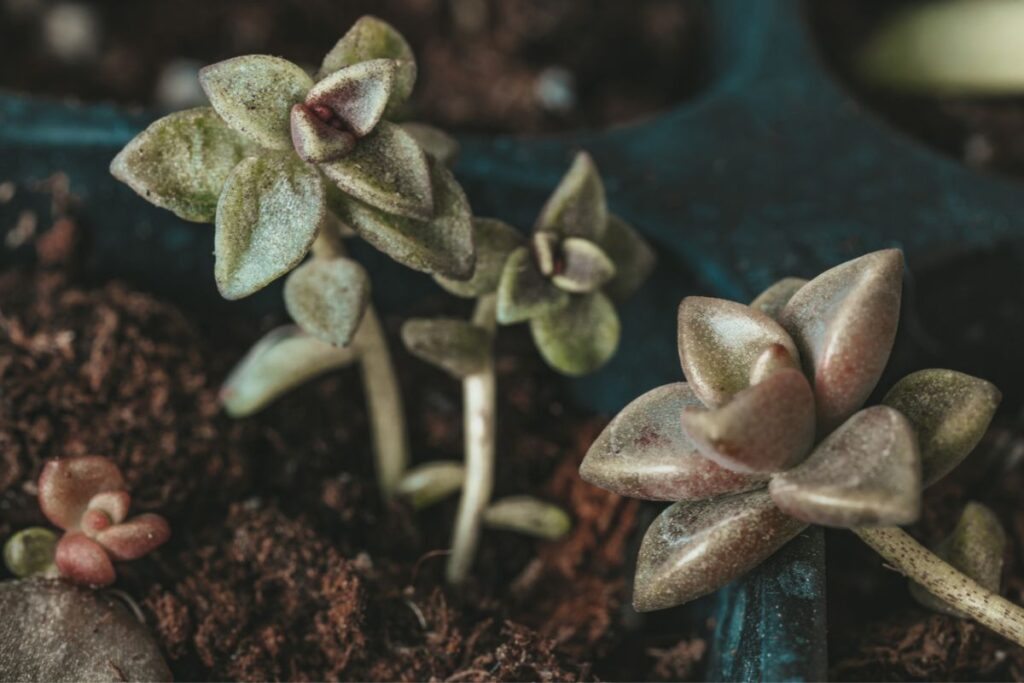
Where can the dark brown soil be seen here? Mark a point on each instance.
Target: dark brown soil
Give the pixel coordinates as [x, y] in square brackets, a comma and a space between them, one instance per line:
[484, 63]
[284, 563]
[984, 133]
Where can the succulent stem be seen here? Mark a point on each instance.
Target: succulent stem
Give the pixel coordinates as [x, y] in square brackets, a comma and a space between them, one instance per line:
[380, 383]
[478, 397]
[945, 582]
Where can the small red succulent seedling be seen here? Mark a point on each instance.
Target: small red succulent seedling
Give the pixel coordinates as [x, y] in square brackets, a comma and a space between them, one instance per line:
[86, 497]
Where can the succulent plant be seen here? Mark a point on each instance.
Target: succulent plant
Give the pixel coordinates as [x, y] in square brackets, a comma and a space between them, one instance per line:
[768, 434]
[562, 280]
[86, 497]
[284, 163]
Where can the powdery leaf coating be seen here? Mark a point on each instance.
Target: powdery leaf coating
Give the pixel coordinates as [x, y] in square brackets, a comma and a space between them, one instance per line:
[30, 552]
[434, 141]
[773, 359]
[135, 537]
[772, 300]
[254, 94]
[524, 292]
[269, 214]
[370, 38]
[543, 245]
[458, 347]
[282, 360]
[577, 207]
[494, 241]
[181, 162]
[633, 257]
[584, 267]
[67, 485]
[357, 94]
[695, 548]
[644, 453]
[315, 140]
[388, 170]
[431, 482]
[719, 343]
[768, 427]
[442, 245]
[327, 298]
[76, 635]
[950, 412]
[528, 515]
[844, 323]
[579, 338]
[976, 547]
[82, 560]
[865, 473]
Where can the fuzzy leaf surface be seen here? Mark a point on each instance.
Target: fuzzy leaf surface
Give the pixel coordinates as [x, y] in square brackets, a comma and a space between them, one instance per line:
[577, 207]
[585, 267]
[494, 241]
[181, 162]
[524, 292]
[327, 298]
[772, 300]
[458, 347]
[357, 94]
[580, 338]
[633, 257]
[431, 482]
[254, 94]
[270, 212]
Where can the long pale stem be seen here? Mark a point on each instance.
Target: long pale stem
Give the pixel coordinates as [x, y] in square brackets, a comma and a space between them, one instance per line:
[478, 398]
[944, 581]
[380, 384]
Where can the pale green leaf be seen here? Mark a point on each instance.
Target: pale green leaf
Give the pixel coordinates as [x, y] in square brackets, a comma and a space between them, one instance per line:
[269, 214]
[284, 359]
[316, 140]
[523, 292]
[772, 300]
[528, 515]
[387, 170]
[633, 257]
[494, 241]
[370, 38]
[254, 94]
[458, 347]
[442, 245]
[327, 298]
[181, 162]
[577, 207]
[580, 338]
[30, 552]
[431, 482]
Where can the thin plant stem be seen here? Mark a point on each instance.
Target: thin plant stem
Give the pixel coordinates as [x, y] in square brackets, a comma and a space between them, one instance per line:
[478, 398]
[380, 383]
[944, 581]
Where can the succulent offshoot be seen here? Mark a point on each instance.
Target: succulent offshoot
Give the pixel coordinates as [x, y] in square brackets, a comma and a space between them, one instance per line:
[30, 552]
[281, 162]
[769, 434]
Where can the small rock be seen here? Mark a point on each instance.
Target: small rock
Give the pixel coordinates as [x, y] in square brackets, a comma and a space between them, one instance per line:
[556, 89]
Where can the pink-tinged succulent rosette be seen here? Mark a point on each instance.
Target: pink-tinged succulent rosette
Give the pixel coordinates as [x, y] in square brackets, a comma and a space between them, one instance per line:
[769, 433]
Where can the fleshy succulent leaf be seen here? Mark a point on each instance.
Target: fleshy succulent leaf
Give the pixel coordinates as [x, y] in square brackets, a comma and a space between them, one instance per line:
[579, 338]
[254, 95]
[135, 537]
[270, 212]
[644, 453]
[82, 560]
[112, 504]
[181, 162]
[844, 323]
[976, 548]
[315, 140]
[442, 245]
[865, 473]
[370, 38]
[284, 359]
[494, 242]
[30, 552]
[767, 427]
[950, 412]
[524, 292]
[633, 257]
[528, 515]
[356, 95]
[773, 359]
[719, 343]
[694, 548]
[327, 298]
[772, 300]
[458, 347]
[389, 171]
[67, 485]
[434, 141]
[431, 482]
[585, 267]
[577, 207]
